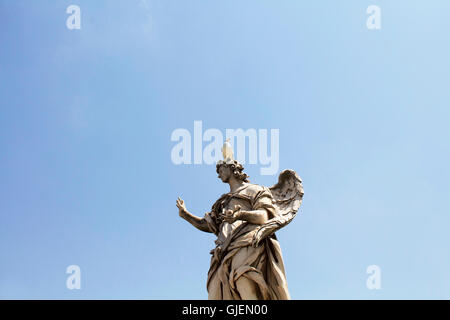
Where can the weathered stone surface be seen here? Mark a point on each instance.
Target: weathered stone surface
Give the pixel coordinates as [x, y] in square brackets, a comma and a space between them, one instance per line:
[247, 262]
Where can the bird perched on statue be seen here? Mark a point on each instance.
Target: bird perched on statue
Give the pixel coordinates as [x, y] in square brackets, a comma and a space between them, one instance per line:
[227, 150]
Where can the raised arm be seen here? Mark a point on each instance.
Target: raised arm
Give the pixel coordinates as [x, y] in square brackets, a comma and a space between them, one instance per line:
[199, 223]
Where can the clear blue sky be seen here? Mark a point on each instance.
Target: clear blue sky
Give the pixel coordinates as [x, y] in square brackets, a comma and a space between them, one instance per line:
[86, 116]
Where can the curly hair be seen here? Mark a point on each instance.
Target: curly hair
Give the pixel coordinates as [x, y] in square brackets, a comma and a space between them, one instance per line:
[236, 168]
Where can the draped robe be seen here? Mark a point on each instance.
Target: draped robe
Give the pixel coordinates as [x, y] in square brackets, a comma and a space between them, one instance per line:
[235, 257]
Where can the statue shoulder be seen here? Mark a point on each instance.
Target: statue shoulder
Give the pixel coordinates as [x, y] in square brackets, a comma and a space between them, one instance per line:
[253, 189]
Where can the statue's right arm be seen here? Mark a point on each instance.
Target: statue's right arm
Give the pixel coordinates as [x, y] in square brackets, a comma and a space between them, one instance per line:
[199, 223]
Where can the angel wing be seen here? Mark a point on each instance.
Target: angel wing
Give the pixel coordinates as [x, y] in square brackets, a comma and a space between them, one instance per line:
[287, 195]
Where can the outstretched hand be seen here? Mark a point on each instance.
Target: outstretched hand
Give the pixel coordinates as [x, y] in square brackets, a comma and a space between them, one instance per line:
[181, 207]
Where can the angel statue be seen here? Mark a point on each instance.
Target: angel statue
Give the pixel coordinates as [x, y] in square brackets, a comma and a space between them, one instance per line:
[247, 263]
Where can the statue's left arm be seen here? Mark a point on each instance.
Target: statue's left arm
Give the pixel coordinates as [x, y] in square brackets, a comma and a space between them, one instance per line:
[262, 210]
[253, 216]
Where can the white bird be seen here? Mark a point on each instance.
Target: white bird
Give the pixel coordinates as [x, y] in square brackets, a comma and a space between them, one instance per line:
[227, 150]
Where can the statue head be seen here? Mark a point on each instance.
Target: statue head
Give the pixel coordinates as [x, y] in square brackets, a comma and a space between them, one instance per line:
[229, 169]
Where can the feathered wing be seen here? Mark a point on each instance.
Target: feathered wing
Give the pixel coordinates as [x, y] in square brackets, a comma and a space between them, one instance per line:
[287, 195]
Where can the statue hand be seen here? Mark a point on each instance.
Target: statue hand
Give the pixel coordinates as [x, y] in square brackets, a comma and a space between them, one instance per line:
[181, 207]
[231, 216]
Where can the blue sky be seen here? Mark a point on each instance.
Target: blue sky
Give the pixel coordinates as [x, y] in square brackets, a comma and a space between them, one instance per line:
[86, 117]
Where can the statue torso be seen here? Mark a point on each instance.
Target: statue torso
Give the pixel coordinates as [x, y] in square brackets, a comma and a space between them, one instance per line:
[244, 197]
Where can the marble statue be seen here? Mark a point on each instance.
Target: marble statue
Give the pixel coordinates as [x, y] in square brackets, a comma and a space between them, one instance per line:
[247, 263]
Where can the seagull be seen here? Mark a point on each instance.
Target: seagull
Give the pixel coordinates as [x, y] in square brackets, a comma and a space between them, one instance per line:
[227, 150]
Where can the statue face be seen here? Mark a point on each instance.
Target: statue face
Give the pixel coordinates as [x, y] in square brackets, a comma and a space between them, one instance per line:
[224, 174]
